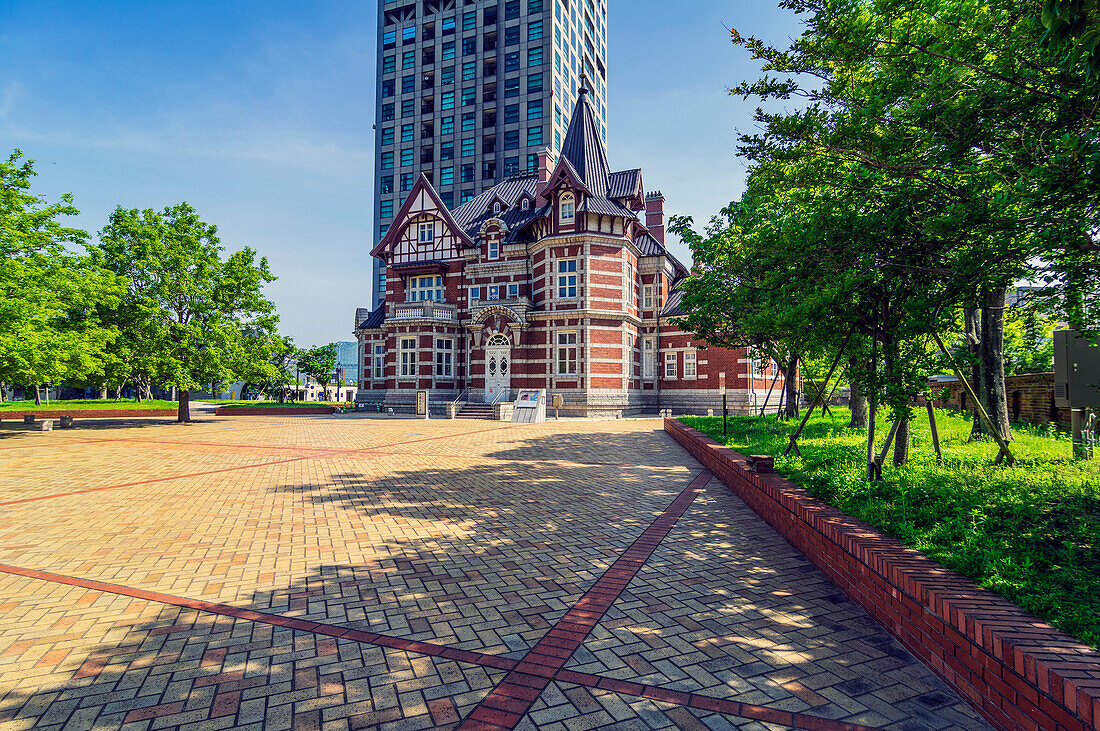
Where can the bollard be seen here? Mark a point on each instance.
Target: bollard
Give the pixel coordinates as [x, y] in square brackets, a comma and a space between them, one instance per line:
[28, 418]
[66, 422]
[710, 412]
[45, 425]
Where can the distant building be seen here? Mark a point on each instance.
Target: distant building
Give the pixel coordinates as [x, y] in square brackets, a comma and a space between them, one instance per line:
[556, 279]
[347, 357]
[469, 92]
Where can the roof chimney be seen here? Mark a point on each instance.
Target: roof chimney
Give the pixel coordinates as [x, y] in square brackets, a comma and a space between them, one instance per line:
[655, 215]
[544, 167]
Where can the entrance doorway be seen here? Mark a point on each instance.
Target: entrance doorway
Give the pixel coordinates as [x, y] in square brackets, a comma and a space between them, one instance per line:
[498, 365]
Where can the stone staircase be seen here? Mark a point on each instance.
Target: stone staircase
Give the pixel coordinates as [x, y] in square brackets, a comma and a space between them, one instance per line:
[476, 411]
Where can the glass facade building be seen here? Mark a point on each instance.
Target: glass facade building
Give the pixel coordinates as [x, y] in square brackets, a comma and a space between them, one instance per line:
[469, 92]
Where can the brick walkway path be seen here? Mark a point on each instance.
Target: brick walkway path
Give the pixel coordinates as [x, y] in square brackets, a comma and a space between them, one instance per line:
[333, 573]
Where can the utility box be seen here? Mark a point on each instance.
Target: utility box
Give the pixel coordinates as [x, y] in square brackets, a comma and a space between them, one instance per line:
[1076, 371]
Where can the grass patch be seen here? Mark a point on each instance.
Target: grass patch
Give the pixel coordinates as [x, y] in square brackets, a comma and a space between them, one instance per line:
[1030, 533]
[86, 405]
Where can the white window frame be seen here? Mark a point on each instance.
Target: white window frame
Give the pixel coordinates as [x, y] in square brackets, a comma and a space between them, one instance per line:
[429, 288]
[567, 208]
[426, 232]
[475, 293]
[379, 361]
[647, 297]
[649, 358]
[691, 364]
[407, 358]
[671, 359]
[444, 358]
[567, 279]
[513, 291]
[494, 292]
[494, 249]
[567, 361]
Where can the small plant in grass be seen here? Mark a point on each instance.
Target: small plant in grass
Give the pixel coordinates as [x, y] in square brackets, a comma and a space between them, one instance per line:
[1030, 533]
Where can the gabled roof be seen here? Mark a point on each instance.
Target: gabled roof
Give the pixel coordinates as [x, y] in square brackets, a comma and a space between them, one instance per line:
[595, 204]
[565, 172]
[584, 148]
[396, 228]
[473, 213]
[375, 319]
[625, 184]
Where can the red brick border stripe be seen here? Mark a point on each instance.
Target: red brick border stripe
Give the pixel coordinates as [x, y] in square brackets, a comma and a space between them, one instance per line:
[278, 620]
[507, 703]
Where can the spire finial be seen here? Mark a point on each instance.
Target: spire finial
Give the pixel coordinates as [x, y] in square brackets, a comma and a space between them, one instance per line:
[584, 84]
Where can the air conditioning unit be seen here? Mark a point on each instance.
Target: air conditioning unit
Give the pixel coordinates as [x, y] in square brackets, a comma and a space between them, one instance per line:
[1076, 371]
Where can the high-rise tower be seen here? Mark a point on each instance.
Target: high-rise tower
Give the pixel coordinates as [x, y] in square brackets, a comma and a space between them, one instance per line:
[471, 91]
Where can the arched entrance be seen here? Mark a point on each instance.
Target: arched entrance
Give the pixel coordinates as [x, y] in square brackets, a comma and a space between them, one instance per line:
[498, 369]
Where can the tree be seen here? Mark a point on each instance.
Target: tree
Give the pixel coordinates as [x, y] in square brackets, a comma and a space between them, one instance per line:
[940, 156]
[320, 364]
[49, 328]
[191, 317]
[278, 370]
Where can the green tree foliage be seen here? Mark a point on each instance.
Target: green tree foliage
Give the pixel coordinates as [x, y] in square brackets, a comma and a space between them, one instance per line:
[939, 154]
[319, 363]
[189, 316]
[50, 296]
[1029, 340]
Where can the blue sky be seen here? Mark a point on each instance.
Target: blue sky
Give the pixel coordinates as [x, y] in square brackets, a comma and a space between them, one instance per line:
[259, 114]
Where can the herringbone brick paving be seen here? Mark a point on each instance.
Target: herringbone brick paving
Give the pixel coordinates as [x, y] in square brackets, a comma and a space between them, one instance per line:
[467, 535]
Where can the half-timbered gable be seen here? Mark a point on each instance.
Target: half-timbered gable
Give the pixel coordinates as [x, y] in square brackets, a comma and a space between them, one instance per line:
[423, 230]
[550, 279]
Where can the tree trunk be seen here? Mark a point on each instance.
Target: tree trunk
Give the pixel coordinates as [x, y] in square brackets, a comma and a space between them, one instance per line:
[901, 443]
[47, 390]
[172, 394]
[184, 414]
[103, 392]
[3, 386]
[37, 396]
[973, 331]
[857, 400]
[993, 392]
[790, 385]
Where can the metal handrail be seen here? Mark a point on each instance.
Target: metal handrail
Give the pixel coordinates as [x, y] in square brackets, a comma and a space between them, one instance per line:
[465, 391]
[498, 397]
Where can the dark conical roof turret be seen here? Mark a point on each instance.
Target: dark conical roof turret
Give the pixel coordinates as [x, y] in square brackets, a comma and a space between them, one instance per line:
[583, 146]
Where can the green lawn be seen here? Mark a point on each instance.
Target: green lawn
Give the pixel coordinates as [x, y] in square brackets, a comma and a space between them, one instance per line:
[1030, 533]
[86, 404]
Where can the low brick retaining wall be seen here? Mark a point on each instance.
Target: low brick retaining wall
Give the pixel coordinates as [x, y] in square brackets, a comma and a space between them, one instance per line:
[1030, 398]
[288, 411]
[1018, 671]
[86, 413]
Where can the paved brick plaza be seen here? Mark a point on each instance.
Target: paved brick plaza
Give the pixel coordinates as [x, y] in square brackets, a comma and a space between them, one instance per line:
[338, 573]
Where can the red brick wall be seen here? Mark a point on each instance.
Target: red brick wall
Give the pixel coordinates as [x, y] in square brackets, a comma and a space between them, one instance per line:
[1030, 399]
[86, 413]
[1019, 672]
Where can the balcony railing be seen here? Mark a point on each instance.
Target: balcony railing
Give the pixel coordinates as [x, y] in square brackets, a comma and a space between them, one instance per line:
[425, 311]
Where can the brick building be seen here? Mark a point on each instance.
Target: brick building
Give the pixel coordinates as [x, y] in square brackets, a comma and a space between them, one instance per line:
[556, 279]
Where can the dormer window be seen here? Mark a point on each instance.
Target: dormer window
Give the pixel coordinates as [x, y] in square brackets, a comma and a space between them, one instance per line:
[494, 249]
[496, 207]
[427, 232]
[567, 206]
[526, 204]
